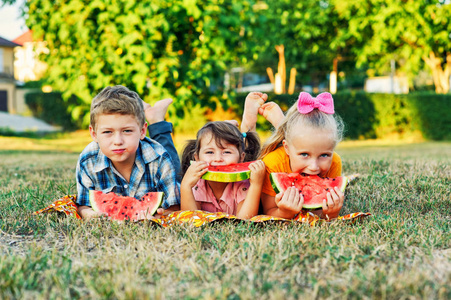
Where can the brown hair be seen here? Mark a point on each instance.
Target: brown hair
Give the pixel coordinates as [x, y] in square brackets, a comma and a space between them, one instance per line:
[314, 119]
[222, 132]
[117, 100]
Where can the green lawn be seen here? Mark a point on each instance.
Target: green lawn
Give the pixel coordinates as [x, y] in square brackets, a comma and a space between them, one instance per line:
[402, 251]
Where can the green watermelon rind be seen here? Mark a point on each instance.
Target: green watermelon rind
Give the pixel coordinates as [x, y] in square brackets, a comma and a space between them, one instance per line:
[93, 203]
[226, 177]
[276, 188]
[159, 203]
[92, 195]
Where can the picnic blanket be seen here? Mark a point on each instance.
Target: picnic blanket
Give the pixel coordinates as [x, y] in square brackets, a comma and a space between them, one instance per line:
[198, 218]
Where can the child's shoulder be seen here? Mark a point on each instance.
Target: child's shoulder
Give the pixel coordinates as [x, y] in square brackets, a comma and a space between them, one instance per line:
[91, 150]
[274, 154]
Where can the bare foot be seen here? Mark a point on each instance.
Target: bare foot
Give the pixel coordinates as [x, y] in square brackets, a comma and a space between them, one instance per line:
[233, 122]
[272, 112]
[156, 113]
[253, 102]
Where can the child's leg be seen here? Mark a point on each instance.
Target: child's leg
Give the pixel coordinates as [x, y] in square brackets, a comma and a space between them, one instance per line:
[157, 113]
[253, 102]
[160, 130]
[272, 112]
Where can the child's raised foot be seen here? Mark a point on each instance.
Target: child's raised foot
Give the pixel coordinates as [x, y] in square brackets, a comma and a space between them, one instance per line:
[156, 113]
[272, 112]
[253, 102]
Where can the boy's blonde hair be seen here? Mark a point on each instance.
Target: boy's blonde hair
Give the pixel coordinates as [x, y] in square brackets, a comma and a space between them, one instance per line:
[315, 119]
[117, 100]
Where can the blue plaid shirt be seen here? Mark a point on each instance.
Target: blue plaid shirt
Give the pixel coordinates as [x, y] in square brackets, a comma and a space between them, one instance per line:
[153, 171]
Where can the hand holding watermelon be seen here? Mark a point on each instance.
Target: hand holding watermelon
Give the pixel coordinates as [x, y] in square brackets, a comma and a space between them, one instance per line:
[257, 174]
[195, 172]
[289, 202]
[326, 195]
[333, 204]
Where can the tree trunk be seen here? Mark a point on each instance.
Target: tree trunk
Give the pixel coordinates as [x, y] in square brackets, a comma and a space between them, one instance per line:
[440, 75]
[292, 84]
[281, 67]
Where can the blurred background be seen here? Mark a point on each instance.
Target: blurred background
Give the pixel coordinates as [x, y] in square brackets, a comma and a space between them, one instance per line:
[387, 63]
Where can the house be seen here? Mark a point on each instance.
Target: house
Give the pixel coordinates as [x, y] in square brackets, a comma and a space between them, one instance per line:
[27, 65]
[7, 81]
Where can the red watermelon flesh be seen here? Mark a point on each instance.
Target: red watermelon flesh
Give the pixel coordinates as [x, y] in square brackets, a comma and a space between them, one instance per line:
[122, 207]
[313, 187]
[228, 173]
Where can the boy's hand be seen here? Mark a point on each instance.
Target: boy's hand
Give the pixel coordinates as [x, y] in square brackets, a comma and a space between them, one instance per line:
[257, 172]
[333, 204]
[194, 173]
[144, 215]
[87, 213]
[290, 202]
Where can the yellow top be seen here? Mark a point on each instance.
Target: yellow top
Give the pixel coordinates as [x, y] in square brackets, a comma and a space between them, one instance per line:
[278, 161]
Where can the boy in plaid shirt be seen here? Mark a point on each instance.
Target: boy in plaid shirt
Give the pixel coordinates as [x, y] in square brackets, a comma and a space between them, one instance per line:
[121, 159]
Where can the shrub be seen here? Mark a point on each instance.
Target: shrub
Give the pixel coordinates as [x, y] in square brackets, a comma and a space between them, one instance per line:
[51, 108]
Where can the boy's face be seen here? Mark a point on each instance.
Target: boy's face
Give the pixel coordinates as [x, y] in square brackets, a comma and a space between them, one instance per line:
[118, 137]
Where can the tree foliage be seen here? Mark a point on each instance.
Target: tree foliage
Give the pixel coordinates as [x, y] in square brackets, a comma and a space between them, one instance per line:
[307, 29]
[167, 48]
[181, 48]
[409, 31]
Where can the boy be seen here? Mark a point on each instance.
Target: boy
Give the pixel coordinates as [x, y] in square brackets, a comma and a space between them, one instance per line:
[121, 158]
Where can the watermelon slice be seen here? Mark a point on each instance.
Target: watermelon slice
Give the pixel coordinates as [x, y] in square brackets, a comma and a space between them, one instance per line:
[122, 207]
[313, 187]
[229, 173]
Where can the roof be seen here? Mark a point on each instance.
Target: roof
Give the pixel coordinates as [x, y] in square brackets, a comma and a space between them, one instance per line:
[7, 43]
[25, 37]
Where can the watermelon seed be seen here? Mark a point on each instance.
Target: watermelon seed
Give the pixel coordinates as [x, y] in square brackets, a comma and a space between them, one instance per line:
[115, 202]
[125, 207]
[326, 189]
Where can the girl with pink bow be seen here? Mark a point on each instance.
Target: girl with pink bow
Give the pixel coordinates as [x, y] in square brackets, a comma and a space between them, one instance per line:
[304, 142]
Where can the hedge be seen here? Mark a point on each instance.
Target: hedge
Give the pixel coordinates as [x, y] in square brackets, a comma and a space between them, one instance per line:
[51, 108]
[381, 115]
[365, 115]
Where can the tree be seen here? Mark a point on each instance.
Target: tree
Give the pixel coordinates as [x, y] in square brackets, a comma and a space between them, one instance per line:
[307, 30]
[409, 31]
[166, 48]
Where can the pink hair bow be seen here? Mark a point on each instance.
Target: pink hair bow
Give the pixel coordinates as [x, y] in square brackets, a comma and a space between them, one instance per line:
[324, 102]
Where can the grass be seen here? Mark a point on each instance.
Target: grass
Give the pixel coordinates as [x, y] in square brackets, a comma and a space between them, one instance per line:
[402, 251]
